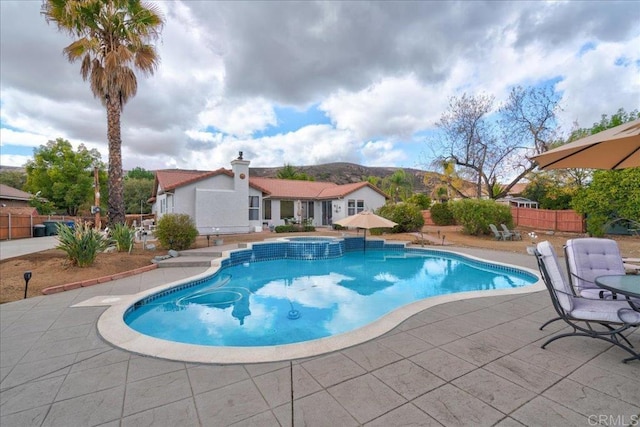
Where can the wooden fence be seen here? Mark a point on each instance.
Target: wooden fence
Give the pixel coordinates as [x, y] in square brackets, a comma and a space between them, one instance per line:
[16, 226]
[545, 219]
[539, 219]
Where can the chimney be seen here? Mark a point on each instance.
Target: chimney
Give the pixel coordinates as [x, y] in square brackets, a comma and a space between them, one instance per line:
[240, 169]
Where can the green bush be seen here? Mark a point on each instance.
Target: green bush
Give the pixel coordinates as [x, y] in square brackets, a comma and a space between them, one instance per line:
[421, 200]
[293, 228]
[475, 215]
[285, 229]
[441, 214]
[408, 216]
[176, 231]
[81, 243]
[123, 236]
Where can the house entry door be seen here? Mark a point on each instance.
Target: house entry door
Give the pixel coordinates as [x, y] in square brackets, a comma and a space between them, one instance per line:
[326, 213]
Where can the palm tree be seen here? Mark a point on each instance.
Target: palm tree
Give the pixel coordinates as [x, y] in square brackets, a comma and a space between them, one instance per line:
[112, 39]
[398, 185]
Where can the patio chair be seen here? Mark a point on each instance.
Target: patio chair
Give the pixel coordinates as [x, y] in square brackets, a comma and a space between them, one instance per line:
[497, 234]
[600, 319]
[588, 258]
[512, 234]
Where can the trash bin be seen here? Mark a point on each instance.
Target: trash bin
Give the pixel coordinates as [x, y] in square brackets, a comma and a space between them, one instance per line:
[70, 224]
[38, 230]
[51, 228]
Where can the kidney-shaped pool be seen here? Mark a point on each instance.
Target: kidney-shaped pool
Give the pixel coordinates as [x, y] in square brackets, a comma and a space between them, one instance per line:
[281, 303]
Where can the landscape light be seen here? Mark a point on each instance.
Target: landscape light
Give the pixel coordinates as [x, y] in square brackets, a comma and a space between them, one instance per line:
[27, 277]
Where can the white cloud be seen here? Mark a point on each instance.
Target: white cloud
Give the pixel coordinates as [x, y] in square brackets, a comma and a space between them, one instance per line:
[393, 107]
[238, 117]
[601, 86]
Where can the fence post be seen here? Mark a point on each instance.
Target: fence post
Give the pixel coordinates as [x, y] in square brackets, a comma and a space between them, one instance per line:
[9, 235]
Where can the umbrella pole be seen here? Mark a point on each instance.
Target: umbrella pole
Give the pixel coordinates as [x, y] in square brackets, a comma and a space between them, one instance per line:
[364, 248]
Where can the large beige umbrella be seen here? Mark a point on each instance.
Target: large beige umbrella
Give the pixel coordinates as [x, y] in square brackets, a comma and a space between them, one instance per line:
[615, 148]
[366, 220]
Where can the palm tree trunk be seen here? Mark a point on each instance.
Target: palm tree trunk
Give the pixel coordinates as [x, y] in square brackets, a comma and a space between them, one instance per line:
[116, 184]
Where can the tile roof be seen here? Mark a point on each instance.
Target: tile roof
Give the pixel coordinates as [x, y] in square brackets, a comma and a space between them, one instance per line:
[170, 179]
[294, 189]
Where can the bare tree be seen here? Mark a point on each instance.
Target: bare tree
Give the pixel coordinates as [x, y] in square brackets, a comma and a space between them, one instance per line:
[492, 149]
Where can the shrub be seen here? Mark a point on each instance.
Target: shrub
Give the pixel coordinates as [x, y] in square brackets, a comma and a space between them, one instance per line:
[123, 236]
[176, 231]
[81, 243]
[408, 216]
[293, 228]
[441, 214]
[421, 200]
[475, 215]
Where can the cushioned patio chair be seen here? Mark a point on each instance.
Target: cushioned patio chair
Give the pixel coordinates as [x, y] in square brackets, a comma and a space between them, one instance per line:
[595, 318]
[497, 234]
[588, 258]
[512, 234]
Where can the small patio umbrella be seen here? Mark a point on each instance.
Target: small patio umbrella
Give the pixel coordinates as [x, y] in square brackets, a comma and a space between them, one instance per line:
[615, 148]
[366, 220]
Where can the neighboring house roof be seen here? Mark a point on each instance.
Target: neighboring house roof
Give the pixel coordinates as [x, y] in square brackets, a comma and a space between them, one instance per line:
[11, 193]
[312, 190]
[518, 188]
[18, 210]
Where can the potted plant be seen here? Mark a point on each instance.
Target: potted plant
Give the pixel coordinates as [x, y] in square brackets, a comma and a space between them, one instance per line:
[218, 241]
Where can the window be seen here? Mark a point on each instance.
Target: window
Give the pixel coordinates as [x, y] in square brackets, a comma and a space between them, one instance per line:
[309, 210]
[286, 209]
[266, 209]
[354, 206]
[254, 208]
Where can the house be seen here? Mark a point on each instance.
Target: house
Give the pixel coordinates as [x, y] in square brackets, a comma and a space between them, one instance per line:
[233, 202]
[12, 197]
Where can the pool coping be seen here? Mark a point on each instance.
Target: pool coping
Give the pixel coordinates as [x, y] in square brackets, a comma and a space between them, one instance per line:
[112, 328]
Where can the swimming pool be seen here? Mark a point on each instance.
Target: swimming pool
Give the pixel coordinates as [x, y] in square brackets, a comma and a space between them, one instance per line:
[287, 301]
[259, 296]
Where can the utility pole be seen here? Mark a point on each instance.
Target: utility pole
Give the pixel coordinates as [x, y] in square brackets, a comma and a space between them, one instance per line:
[96, 186]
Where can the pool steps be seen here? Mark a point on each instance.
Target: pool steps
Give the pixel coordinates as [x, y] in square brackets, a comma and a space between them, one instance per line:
[199, 257]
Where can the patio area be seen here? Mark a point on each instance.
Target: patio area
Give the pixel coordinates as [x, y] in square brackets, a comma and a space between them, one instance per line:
[469, 362]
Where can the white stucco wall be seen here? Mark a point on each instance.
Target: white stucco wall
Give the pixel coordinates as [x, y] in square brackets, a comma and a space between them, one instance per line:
[372, 201]
[222, 202]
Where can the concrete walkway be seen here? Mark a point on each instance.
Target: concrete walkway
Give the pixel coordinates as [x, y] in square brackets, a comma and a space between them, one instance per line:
[471, 362]
[18, 247]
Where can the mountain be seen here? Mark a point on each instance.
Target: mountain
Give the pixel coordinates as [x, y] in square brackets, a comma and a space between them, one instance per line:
[345, 173]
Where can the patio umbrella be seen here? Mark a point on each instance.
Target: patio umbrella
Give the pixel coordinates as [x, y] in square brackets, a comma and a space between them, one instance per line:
[366, 220]
[615, 148]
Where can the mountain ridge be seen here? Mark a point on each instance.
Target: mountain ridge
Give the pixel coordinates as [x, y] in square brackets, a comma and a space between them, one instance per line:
[346, 173]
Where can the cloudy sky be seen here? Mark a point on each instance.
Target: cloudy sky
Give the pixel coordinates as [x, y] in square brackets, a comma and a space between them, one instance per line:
[315, 82]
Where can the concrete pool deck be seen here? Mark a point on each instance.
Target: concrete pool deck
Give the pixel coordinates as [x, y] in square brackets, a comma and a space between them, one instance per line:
[468, 362]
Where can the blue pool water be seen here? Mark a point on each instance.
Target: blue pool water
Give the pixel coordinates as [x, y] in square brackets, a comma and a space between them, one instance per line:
[287, 301]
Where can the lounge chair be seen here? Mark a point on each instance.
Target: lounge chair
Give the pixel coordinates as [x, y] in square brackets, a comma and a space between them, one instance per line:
[601, 319]
[497, 234]
[512, 234]
[588, 258]
[631, 265]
